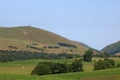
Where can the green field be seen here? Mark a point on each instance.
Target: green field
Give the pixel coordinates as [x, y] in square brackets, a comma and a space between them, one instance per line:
[110, 74]
[20, 70]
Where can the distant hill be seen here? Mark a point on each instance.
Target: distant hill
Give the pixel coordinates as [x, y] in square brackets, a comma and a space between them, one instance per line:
[113, 48]
[83, 44]
[34, 39]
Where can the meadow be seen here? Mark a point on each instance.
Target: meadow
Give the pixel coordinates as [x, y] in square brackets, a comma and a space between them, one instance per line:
[20, 70]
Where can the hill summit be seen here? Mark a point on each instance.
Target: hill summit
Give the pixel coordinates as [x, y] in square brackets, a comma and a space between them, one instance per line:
[34, 39]
[33, 34]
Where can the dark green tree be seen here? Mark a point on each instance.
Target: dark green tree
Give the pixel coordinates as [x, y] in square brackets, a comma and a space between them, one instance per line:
[104, 64]
[41, 69]
[118, 65]
[88, 56]
[69, 56]
[111, 61]
[77, 66]
[98, 64]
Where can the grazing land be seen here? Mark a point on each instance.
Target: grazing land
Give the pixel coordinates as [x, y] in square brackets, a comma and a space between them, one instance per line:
[110, 74]
[20, 70]
[28, 38]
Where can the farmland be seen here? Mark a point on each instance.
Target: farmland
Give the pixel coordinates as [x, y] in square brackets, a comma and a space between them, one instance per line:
[110, 74]
[20, 70]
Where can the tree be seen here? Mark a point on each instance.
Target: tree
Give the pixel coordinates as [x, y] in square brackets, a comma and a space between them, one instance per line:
[41, 69]
[88, 56]
[44, 68]
[111, 61]
[118, 65]
[63, 68]
[69, 56]
[104, 64]
[97, 65]
[77, 66]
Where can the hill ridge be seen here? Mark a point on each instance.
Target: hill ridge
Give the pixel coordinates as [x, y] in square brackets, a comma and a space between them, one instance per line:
[28, 32]
[23, 36]
[112, 48]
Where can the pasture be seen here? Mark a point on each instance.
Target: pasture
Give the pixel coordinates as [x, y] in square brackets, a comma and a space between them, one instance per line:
[109, 74]
[20, 70]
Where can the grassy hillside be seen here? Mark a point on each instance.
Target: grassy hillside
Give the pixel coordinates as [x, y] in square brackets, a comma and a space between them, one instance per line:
[112, 48]
[28, 33]
[22, 36]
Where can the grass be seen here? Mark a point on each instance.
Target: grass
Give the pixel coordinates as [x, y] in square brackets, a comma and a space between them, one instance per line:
[32, 34]
[34, 62]
[30, 64]
[22, 45]
[25, 35]
[20, 70]
[25, 66]
[103, 74]
[16, 69]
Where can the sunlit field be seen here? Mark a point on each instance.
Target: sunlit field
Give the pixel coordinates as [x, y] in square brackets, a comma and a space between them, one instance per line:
[23, 68]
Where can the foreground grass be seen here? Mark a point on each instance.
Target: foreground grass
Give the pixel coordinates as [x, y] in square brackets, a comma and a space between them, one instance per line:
[16, 69]
[26, 66]
[109, 74]
[20, 70]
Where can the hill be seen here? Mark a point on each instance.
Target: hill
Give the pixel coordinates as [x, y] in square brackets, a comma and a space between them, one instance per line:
[113, 48]
[82, 44]
[34, 39]
[85, 45]
[28, 33]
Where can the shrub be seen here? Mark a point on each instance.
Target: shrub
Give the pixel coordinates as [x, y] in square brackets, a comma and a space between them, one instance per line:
[77, 66]
[44, 68]
[67, 45]
[41, 69]
[50, 68]
[118, 65]
[13, 47]
[104, 64]
[69, 56]
[111, 61]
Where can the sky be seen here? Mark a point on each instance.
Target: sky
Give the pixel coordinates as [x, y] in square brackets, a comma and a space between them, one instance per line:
[93, 22]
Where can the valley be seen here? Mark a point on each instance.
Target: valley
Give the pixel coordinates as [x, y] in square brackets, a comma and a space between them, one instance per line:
[23, 47]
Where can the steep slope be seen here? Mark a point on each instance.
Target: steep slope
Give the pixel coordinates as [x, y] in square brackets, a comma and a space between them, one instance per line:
[29, 33]
[35, 39]
[112, 48]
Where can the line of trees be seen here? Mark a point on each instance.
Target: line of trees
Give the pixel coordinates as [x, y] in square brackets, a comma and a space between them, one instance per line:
[33, 47]
[12, 55]
[52, 47]
[44, 68]
[67, 45]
